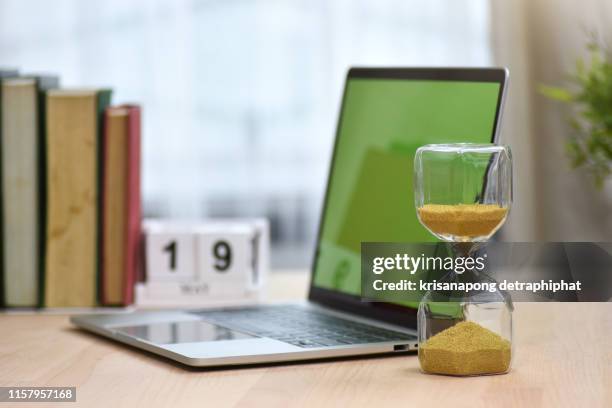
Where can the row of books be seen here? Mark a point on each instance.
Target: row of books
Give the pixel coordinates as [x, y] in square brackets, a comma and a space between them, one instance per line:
[70, 195]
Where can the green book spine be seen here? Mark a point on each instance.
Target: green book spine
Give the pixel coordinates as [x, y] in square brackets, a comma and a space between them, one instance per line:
[43, 84]
[104, 100]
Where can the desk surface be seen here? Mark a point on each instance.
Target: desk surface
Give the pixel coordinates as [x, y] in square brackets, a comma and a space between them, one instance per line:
[563, 358]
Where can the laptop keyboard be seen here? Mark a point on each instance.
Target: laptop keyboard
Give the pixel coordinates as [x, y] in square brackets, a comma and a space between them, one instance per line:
[300, 327]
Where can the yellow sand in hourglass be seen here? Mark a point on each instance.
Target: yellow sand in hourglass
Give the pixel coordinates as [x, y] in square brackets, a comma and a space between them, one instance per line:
[463, 220]
[466, 348]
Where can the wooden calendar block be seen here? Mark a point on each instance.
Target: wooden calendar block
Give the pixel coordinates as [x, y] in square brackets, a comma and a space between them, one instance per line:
[170, 252]
[226, 254]
[203, 263]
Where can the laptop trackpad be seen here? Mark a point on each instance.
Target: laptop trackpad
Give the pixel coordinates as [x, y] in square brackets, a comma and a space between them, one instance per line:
[176, 332]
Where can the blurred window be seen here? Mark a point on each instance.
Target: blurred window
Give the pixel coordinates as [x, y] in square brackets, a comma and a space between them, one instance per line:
[240, 97]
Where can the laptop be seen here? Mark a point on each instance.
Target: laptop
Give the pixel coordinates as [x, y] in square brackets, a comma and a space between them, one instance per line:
[386, 114]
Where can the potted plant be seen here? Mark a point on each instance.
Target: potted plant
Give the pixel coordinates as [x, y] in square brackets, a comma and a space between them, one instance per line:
[589, 145]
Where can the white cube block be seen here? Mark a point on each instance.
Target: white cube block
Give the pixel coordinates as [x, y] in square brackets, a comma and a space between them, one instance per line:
[170, 253]
[226, 254]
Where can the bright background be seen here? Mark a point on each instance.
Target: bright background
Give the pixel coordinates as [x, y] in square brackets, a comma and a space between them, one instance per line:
[239, 97]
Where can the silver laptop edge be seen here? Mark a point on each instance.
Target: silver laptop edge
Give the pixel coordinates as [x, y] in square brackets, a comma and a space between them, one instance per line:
[234, 352]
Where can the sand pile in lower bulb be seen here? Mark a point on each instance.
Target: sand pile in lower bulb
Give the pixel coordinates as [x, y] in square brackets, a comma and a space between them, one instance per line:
[466, 348]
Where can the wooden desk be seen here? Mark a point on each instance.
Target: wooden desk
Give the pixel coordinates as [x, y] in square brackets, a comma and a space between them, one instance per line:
[563, 359]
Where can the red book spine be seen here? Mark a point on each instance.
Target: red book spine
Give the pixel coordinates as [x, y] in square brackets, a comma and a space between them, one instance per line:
[133, 206]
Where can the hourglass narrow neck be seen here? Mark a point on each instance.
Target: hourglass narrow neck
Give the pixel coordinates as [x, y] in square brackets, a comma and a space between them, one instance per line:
[466, 249]
[468, 271]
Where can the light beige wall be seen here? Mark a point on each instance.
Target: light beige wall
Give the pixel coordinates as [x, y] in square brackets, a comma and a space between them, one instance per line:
[509, 44]
[539, 40]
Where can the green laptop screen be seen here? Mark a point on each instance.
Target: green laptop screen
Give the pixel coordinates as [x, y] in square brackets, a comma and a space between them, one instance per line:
[370, 192]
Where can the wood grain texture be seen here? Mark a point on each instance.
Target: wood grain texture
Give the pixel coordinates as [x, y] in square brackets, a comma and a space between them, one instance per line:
[563, 359]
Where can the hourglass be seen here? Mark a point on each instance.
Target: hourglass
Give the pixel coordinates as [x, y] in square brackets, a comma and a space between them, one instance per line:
[462, 195]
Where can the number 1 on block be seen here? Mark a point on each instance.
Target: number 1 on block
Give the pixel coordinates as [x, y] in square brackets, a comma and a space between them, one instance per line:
[170, 257]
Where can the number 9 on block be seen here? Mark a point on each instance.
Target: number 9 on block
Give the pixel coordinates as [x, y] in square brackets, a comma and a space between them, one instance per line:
[225, 254]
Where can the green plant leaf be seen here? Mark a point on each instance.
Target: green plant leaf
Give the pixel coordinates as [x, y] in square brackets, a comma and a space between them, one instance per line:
[556, 93]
